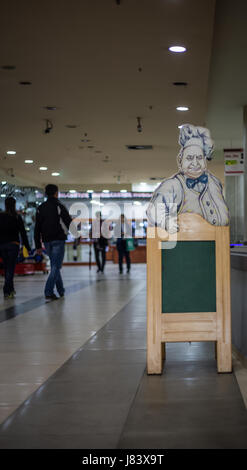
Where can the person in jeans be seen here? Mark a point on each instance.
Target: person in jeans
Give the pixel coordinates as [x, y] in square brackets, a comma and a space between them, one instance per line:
[100, 245]
[51, 227]
[12, 227]
[122, 244]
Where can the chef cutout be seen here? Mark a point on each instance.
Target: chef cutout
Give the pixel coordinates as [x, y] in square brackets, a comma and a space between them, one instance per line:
[193, 189]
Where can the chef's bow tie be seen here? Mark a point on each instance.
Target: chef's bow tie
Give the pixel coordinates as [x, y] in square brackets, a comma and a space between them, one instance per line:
[191, 182]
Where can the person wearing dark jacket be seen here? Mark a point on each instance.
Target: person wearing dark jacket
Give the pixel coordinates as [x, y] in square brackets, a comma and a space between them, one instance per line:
[51, 227]
[125, 230]
[100, 245]
[12, 227]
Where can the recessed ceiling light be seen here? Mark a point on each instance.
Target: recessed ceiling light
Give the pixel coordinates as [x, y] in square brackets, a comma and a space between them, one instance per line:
[177, 49]
[3, 195]
[43, 168]
[55, 173]
[90, 191]
[28, 161]
[182, 108]
[11, 152]
[4, 182]
[72, 191]
[105, 191]
[123, 191]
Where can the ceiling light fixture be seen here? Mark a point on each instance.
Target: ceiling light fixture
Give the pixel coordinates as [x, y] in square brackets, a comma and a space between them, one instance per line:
[3, 195]
[55, 173]
[105, 191]
[96, 202]
[90, 191]
[11, 152]
[182, 108]
[72, 191]
[177, 49]
[43, 168]
[28, 161]
[123, 191]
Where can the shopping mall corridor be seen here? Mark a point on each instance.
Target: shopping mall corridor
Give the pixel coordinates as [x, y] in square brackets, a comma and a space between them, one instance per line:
[72, 373]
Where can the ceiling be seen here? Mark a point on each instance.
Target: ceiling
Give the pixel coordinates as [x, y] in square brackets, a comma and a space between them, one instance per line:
[228, 74]
[102, 65]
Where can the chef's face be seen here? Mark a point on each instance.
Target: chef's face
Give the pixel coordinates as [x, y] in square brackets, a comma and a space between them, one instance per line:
[193, 162]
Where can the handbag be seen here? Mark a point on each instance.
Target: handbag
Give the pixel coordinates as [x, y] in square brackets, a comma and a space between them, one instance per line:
[130, 244]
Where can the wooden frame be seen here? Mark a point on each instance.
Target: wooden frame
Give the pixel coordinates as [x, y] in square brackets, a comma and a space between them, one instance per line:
[201, 326]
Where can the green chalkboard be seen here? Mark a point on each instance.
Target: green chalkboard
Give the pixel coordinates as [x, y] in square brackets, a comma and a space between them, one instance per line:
[189, 277]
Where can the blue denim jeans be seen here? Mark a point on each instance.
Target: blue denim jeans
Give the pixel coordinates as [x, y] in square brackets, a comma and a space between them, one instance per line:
[55, 251]
[9, 253]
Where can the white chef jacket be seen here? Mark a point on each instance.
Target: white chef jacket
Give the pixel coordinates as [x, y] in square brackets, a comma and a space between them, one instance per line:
[206, 200]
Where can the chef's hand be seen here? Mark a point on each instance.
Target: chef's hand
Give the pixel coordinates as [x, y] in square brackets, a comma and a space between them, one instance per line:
[172, 225]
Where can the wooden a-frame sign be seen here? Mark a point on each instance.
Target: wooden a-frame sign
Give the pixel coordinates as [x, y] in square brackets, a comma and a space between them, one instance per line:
[198, 281]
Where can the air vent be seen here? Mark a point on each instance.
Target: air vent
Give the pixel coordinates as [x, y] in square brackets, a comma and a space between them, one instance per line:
[156, 178]
[8, 67]
[139, 147]
[25, 83]
[50, 108]
[180, 83]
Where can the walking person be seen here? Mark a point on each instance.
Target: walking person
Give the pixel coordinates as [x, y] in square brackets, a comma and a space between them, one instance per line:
[100, 245]
[51, 227]
[122, 245]
[12, 228]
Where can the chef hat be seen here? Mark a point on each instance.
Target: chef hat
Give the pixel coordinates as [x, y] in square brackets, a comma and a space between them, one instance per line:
[192, 135]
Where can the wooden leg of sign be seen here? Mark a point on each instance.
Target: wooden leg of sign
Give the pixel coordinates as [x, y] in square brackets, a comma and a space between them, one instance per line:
[224, 357]
[224, 345]
[154, 345]
[154, 360]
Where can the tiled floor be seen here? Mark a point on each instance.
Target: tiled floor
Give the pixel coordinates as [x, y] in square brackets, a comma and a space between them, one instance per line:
[36, 338]
[75, 371]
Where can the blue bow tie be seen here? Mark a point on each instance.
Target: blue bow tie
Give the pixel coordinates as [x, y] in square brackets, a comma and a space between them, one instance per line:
[191, 182]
